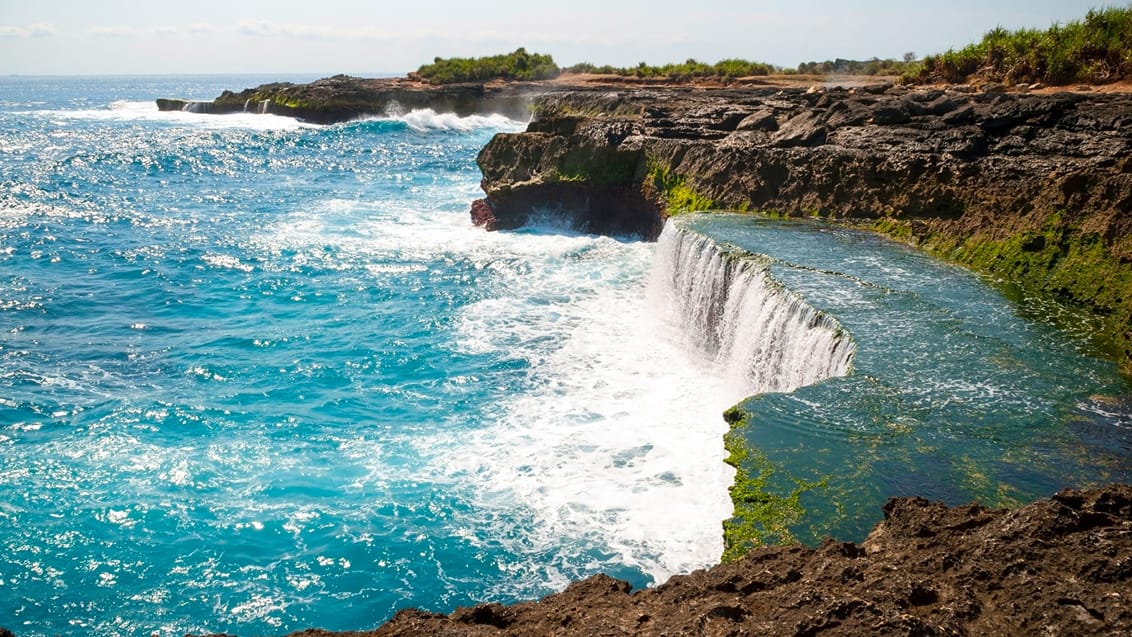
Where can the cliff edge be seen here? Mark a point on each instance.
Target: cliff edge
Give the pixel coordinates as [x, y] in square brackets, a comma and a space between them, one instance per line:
[1034, 189]
[342, 98]
[1061, 566]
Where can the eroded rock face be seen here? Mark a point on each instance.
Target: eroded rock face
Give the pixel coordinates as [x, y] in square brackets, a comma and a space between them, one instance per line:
[926, 154]
[1034, 188]
[1059, 567]
[342, 98]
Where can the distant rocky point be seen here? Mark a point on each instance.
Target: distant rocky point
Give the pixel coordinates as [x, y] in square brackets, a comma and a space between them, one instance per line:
[343, 98]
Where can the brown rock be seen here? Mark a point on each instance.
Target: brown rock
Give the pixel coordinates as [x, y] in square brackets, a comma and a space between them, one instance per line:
[1061, 567]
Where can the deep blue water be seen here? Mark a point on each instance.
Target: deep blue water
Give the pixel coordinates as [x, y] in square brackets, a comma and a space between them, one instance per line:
[257, 376]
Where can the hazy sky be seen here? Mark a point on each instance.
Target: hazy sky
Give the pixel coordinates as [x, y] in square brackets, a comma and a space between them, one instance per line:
[360, 37]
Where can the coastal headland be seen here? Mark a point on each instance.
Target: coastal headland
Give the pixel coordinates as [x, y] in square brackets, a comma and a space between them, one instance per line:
[1032, 187]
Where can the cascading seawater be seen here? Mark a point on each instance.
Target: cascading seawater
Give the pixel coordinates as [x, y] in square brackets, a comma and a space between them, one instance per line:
[257, 375]
[727, 305]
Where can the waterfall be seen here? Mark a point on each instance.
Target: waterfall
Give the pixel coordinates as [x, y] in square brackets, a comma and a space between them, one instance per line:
[728, 306]
[260, 107]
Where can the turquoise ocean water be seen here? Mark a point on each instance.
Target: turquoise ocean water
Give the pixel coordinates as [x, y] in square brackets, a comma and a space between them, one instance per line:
[257, 376]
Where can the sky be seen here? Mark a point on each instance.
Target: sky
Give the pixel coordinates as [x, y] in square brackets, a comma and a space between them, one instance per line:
[97, 37]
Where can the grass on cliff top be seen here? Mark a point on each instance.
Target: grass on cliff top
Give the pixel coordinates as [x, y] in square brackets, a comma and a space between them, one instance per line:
[517, 65]
[872, 66]
[690, 69]
[1094, 50]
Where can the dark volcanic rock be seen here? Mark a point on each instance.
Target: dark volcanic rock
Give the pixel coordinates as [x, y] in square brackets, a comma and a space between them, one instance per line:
[343, 98]
[1056, 567]
[972, 176]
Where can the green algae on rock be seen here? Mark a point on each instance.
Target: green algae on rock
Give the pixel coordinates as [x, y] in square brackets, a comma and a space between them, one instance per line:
[1034, 188]
[767, 499]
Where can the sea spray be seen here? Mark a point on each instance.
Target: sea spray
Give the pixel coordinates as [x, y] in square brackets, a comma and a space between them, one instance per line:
[613, 454]
[258, 375]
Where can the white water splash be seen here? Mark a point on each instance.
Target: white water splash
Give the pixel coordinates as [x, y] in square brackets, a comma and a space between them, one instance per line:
[426, 119]
[147, 111]
[727, 305]
[614, 456]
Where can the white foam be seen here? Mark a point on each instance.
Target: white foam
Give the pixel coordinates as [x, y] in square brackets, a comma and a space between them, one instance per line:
[427, 119]
[762, 336]
[617, 445]
[614, 447]
[127, 111]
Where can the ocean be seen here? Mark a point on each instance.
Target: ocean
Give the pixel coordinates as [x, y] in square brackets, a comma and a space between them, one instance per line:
[257, 376]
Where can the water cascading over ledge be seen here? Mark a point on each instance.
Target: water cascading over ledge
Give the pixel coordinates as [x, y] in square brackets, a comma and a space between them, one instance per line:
[728, 306]
[762, 337]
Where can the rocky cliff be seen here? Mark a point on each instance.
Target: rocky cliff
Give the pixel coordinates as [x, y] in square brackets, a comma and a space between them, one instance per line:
[343, 98]
[1035, 189]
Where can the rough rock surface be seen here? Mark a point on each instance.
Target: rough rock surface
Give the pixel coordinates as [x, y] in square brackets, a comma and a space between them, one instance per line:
[1034, 188]
[343, 98]
[1055, 567]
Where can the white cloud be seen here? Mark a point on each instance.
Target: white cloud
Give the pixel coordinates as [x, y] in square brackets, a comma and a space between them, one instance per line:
[268, 29]
[201, 28]
[265, 28]
[115, 32]
[140, 32]
[37, 30]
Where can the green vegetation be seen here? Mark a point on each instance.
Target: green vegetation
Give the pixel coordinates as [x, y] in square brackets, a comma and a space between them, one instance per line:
[601, 167]
[724, 70]
[873, 66]
[767, 500]
[1060, 261]
[676, 194]
[1094, 50]
[517, 65]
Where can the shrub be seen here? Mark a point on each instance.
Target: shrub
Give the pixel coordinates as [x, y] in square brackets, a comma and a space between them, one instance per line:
[1094, 50]
[724, 70]
[517, 65]
[872, 66]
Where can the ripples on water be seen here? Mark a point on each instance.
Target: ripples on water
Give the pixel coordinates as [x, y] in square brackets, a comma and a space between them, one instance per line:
[954, 396]
[257, 376]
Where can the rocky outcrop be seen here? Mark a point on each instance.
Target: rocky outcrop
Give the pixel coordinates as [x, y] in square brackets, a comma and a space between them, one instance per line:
[1036, 189]
[343, 98]
[1061, 566]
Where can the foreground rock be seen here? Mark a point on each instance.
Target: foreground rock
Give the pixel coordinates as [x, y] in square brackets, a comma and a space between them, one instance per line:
[1036, 189]
[1056, 567]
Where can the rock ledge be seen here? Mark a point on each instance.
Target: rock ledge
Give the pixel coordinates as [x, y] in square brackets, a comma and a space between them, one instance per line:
[1061, 566]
